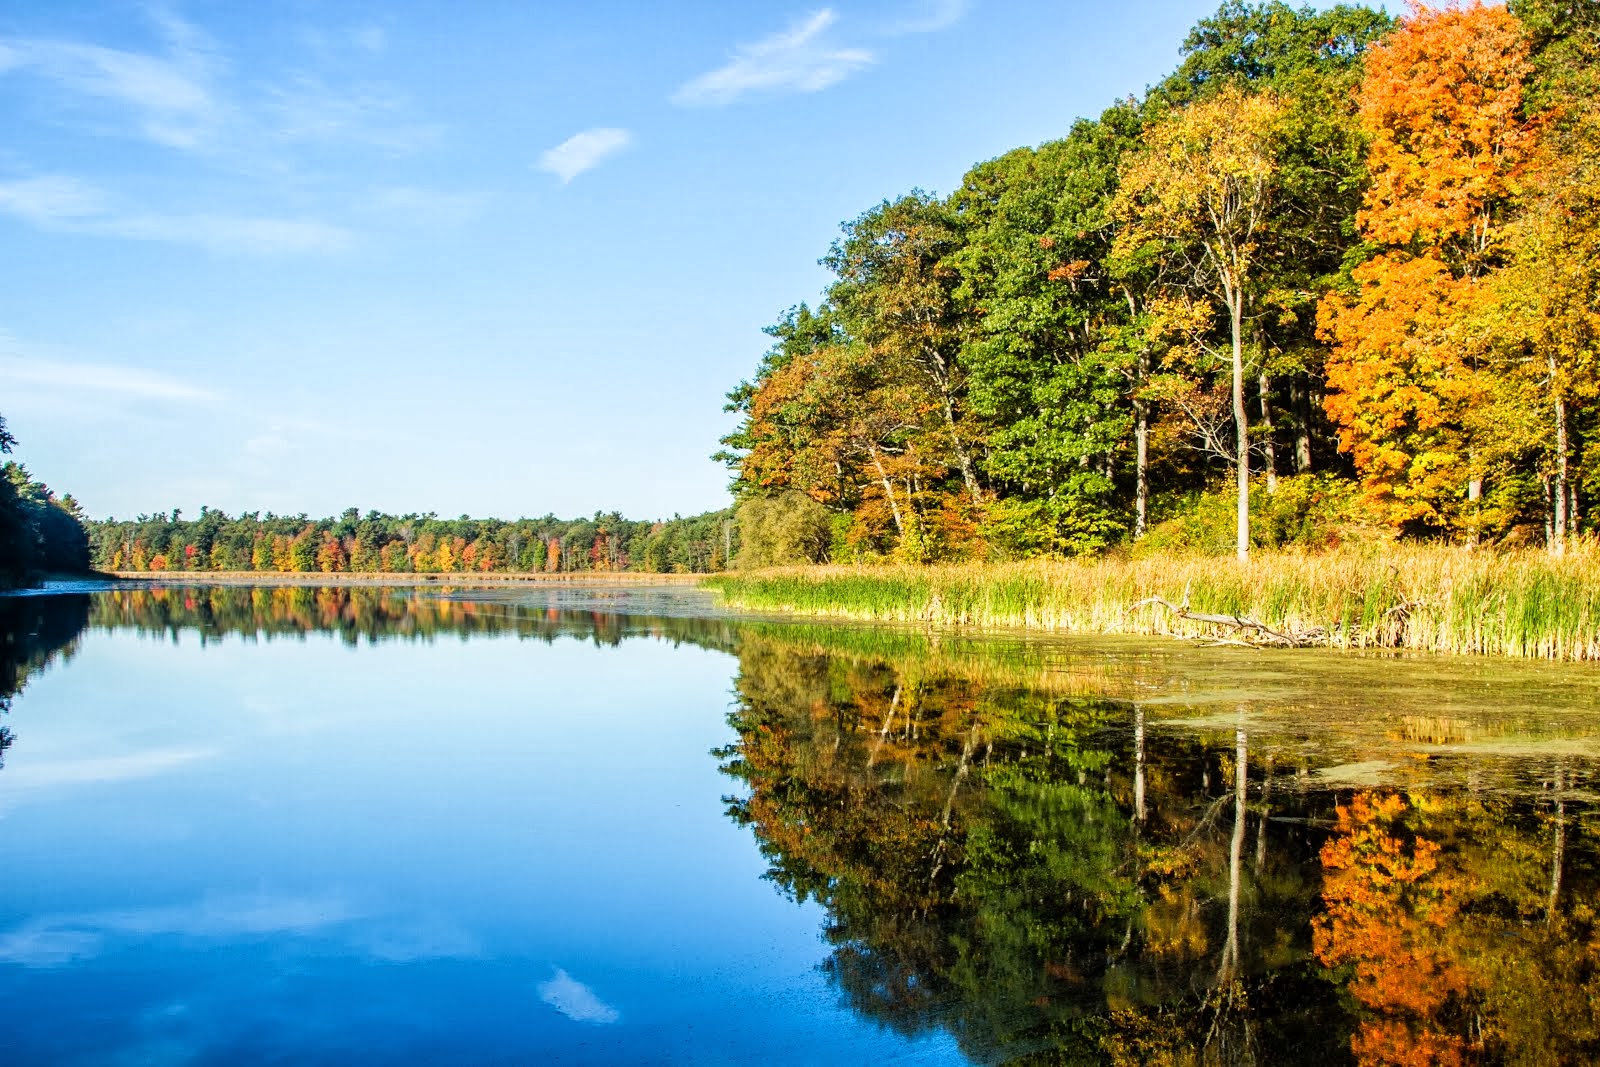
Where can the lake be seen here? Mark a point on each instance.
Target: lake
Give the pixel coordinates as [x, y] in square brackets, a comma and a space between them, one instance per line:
[458, 825]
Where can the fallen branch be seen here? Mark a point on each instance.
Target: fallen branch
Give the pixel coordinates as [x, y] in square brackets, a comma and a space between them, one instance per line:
[1241, 624]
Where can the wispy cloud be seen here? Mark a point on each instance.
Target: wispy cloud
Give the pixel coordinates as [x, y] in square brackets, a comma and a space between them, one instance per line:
[305, 107]
[57, 940]
[183, 93]
[800, 60]
[424, 938]
[575, 1000]
[20, 371]
[61, 939]
[64, 203]
[433, 206]
[228, 233]
[170, 95]
[49, 774]
[930, 16]
[582, 151]
[50, 198]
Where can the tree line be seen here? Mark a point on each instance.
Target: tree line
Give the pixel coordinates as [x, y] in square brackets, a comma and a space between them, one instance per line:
[375, 543]
[1335, 260]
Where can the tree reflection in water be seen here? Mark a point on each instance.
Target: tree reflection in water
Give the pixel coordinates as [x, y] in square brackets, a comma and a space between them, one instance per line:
[1048, 866]
[34, 630]
[1051, 878]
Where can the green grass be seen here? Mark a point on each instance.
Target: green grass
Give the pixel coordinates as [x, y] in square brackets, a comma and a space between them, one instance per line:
[1415, 597]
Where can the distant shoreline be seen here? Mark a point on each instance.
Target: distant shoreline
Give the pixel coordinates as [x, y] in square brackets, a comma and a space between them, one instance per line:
[321, 578]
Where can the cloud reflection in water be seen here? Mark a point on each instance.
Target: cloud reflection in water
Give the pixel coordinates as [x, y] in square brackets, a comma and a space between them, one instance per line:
[575, 1000]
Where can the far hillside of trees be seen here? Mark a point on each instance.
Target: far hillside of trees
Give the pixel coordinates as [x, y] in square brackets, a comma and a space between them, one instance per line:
[1336, 277]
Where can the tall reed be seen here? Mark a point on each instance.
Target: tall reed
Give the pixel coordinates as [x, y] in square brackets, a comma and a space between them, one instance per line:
[1418, 597]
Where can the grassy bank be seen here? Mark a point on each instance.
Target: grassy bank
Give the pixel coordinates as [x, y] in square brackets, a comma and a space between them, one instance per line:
[1422, 598]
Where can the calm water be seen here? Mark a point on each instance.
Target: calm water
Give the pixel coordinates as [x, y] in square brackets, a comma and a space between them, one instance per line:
[392, 826]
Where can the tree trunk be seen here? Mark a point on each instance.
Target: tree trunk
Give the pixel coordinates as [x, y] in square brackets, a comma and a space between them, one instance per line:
[1558, 539]
[1141, 438]
[1230, 950]
[1241, 423]
[1300, 400]
[1271, 460]
[1558, 847]
[1261, 827]
[1138, 762]
[883, 731]
[969, 475]
[950, 802]
[888, 489]
[1474, 494]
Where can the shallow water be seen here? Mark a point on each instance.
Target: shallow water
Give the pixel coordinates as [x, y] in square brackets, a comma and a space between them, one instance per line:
[617, 825]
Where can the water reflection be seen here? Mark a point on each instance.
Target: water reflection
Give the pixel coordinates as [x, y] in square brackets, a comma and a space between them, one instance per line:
[34, 631]
[371, 614]
[1049, 874]
[1041, 851]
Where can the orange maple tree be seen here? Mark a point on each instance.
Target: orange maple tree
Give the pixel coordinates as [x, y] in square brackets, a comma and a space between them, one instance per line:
[1442, 103]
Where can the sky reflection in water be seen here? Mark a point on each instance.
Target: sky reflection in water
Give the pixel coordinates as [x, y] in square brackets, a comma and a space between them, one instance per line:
[429, 848]
[249, 825]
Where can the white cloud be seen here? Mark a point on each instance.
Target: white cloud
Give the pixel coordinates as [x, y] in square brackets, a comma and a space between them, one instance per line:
[575, 1000]
[306, 108]
[424, 938]
[228, 233]
[63, 203]
[426, 205]
[171, 96]
[932, 17]
[20, 369]
[582, 151]
[184, 94]
[50, 198]
[57, 940]
[796, 60]
[48, 774]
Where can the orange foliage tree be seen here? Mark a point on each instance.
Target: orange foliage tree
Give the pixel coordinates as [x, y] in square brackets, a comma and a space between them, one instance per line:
[1442, 103]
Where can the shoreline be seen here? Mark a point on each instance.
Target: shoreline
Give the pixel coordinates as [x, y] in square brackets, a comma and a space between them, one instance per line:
[321, 578]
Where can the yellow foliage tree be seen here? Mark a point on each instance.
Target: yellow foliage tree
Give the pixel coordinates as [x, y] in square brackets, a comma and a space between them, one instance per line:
[1204, 187]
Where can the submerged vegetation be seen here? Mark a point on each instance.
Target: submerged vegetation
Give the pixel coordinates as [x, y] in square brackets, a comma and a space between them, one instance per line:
[1421, 598]
[1355, 251]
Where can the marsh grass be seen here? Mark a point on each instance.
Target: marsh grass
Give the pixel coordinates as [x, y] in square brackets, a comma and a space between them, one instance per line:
[1416, 597]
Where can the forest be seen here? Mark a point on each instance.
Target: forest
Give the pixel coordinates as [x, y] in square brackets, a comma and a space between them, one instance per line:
[40, 533]
[1334, 280]
[411, 544]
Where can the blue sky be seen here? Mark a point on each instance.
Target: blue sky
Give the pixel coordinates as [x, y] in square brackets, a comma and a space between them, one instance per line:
[496, 258]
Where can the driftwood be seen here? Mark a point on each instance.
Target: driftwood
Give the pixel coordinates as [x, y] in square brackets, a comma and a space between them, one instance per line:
[1246, 630]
